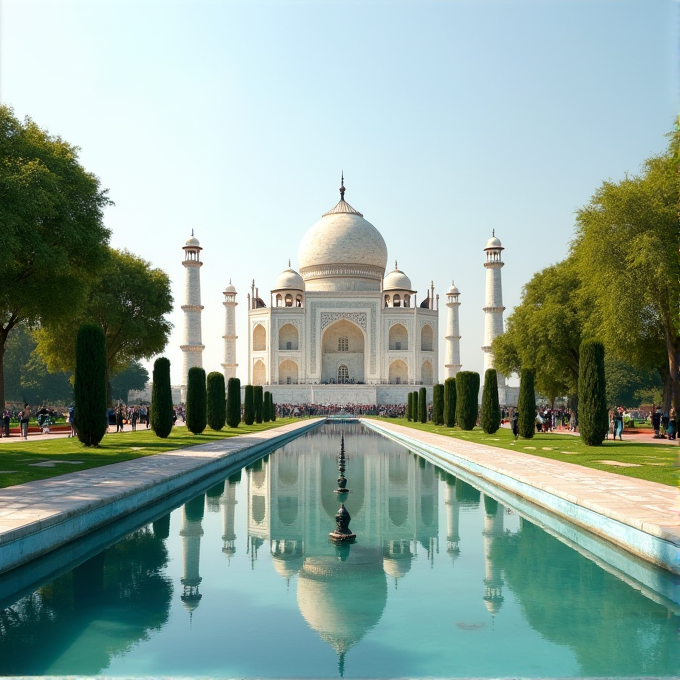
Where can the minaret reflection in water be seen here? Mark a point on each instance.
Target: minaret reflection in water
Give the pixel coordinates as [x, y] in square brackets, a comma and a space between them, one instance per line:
[191, 533]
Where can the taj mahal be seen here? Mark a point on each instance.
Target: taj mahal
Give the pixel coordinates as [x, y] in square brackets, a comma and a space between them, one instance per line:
[342, 330]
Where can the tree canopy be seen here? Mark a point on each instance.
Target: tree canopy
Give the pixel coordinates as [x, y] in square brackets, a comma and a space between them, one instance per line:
[53, 236]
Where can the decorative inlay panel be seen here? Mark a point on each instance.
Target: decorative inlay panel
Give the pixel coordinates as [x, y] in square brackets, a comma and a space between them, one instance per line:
[327, 318]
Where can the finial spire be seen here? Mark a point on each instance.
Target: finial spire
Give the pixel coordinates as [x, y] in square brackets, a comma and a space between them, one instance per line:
[493, 233]
[192, 232]
[395, 265]
[288, 263]
[342, 185]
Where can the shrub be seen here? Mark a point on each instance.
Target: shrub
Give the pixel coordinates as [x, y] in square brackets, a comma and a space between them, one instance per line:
[196, 400]
[467, 395]
[266, 409]
[89, 385]
[272, 407]
[233, 402]
[490, 418]
[249, 406]
[258, 402]
[592, 400]
[217, 401]
[526, 404]
[450, 402]
[438, 404]
[409, 406]
[161, 414]
[422, 405]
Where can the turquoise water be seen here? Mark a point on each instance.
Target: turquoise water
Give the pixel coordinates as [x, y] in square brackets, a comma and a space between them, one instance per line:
[243, 581]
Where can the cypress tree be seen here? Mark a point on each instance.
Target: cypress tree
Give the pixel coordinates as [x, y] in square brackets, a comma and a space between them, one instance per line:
[258, 402]
[409, 406]
[490, 418]
[196, 400]
[217, 401]
[526, 404]
[249, 406]
[422, 405]
[89, 385]
[592, 400]
[266, 411]
[233, 402]
[438, 404]
[414, 406]
[161, 414]
[272, 407]
[450, 402]
[467, 395]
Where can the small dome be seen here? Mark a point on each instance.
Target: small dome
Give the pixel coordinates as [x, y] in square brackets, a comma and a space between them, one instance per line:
[192, 242]
[397, 280]
[493, 242]
[396, 568]
[289, 280]
[453, 290]
[230, 288]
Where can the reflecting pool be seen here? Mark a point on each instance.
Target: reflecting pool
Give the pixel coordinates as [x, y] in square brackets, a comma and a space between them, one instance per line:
[243, 580]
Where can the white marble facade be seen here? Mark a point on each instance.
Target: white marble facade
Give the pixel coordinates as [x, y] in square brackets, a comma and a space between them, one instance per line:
[340, 331]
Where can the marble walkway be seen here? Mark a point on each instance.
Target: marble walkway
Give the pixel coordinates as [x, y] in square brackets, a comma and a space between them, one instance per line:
[649, 507]
[43, 508]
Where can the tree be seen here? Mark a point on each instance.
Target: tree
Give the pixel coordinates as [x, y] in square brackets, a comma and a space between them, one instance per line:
[545, 330]
[450, 402]
[272, 406]
[257, 403]
[526, 404]
[249, 406]
[89, 385]
[196, 400]
[414, 406]
[134, 377]
[217, 401]
[630, 386]
[490, 418]
[438, 404]
[266, 409]
[467, 396]
[626, 249]
[128, 300]
[593, 421]
[53, 237]
[161, 415]
[422, 405]
[233, 402]
[409, 406]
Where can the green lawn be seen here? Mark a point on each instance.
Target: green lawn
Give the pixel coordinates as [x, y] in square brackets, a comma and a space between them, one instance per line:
[657, 462]
[17, 457]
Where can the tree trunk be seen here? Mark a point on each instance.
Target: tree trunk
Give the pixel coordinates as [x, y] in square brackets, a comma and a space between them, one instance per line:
[109, 399]
[3, 339]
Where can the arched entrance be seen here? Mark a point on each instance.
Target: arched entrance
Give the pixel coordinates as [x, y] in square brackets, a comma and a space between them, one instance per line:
[398, 373]
[259, 373]
[288, 372]
[398, 337]
[426, 373]
[342, 344]
[259, 338]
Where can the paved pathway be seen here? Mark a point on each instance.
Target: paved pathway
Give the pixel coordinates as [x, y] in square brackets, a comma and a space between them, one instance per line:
[28, 509]
[651, 507]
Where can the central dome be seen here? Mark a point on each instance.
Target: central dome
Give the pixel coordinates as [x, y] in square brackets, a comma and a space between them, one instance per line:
[342, 252]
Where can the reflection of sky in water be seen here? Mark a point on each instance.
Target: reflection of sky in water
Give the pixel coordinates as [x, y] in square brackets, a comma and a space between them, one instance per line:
[441, 581]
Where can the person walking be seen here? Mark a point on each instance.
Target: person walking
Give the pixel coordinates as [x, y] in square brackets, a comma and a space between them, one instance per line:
[6, 417]
[24, 417]
[618, 423]
[72, 419]
[133, 420]
[515, 424]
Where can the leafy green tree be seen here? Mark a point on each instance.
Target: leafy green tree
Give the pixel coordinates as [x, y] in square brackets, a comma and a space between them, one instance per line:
[467, 397]
[593, 421]
[90, 386]
[196, 400]
[258, 402]
[217, 401]
[450, 402]
[409, 406]
[134, 377]
[422, 405]
[162, 411]
[630, 386]
[545, 330]
[490, 418]
[128, 300]
[626, 249]
[526, 404]
[438, 404]
[53, 236]
[266, 409]
[249, 406]
[233, 402]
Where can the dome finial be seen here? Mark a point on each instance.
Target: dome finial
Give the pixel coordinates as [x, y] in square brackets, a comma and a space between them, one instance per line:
[493, 233]
[395, 266]
[342, 185]
[288, 263]
[192, 232]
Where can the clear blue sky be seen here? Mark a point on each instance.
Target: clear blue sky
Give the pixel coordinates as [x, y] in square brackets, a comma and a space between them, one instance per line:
[450, 119]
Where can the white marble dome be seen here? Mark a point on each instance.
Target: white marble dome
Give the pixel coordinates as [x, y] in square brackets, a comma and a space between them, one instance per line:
[342, 251]
[493, 242]
[453, 290]
[192, 242]
[397, 280]
[289, 280]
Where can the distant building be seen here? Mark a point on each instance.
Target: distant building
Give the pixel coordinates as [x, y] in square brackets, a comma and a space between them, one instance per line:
[144, 396]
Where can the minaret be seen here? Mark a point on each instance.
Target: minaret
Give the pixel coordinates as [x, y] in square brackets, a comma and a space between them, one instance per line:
[493, 528]
[191, 533]
[193, 347]
[493, 304]
[228, 503]
[452, 518]
[229, 365]
[452, 338]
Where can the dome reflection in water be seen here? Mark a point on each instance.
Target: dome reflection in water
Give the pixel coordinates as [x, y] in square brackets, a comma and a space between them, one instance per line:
[243, 580]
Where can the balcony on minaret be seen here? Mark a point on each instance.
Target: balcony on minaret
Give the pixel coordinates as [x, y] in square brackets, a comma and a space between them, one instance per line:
[192, 251]
[493, 252]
